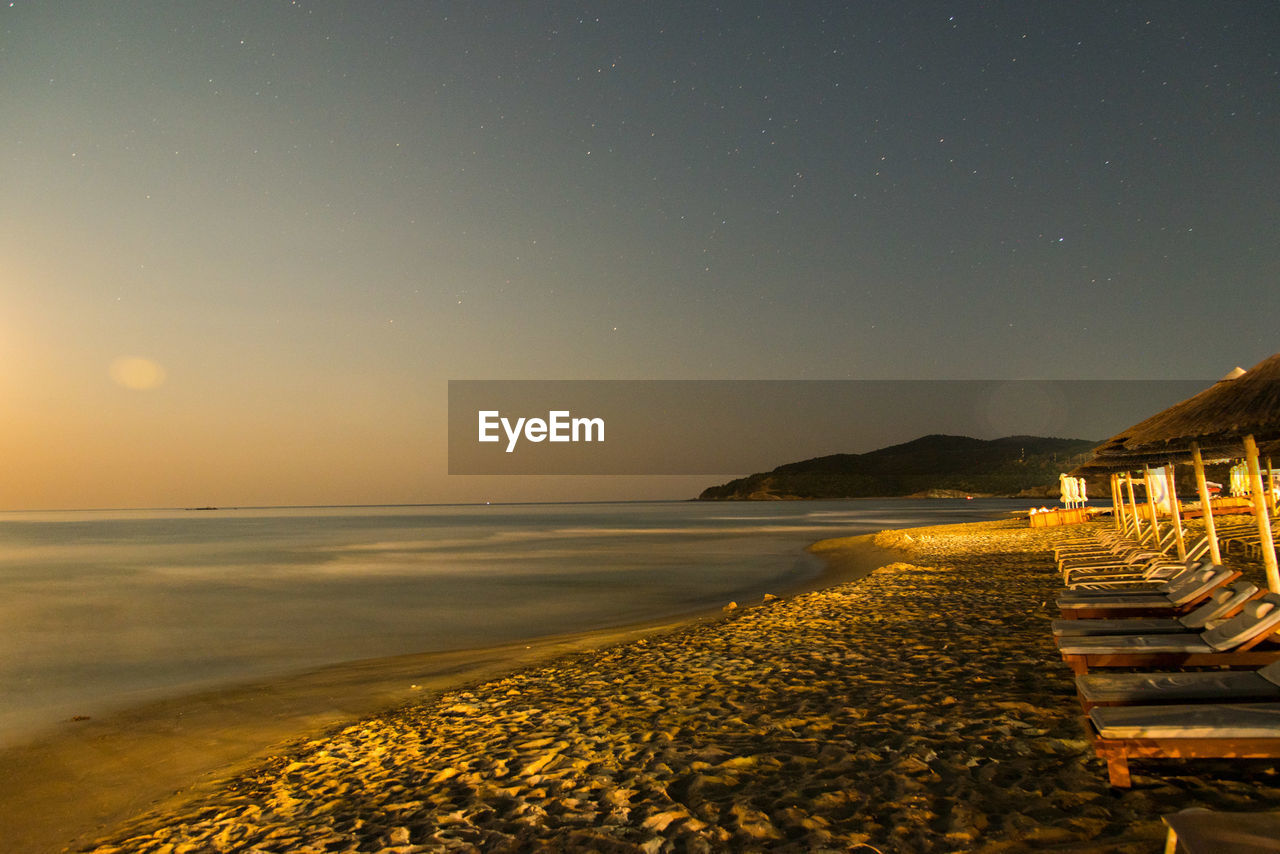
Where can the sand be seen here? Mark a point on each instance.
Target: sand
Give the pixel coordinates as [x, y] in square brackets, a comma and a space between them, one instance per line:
[922, 708]
[61, 790]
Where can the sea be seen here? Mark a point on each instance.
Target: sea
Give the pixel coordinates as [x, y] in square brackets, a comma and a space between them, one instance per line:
[104, 610]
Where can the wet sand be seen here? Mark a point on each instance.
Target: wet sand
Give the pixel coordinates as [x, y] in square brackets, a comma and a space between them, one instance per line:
[922, 708]
[65, 788]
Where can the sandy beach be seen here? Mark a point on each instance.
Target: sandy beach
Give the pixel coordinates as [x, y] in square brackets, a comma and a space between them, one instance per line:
[921, 708]
[62, 789]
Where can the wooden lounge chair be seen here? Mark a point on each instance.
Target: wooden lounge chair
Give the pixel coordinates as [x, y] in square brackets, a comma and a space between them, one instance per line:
[1247, 542]
[1137, 563]
[1134, 577]
[1222, 603]
[1101, 592]
[1216, 730]
[1175, 597]
[1116, 554]
[1121, 557]
[1230, 644]
[1180, 687]
[1108, 541]
[1096, 540]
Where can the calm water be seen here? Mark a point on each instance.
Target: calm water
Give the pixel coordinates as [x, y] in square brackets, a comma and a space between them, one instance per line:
[107, 609]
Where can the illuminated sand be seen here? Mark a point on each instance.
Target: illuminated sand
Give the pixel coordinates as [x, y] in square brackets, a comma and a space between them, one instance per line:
[63, 789]
[920, 709]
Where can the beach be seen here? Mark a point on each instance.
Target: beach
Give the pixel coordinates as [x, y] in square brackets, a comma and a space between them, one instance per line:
[920, 708]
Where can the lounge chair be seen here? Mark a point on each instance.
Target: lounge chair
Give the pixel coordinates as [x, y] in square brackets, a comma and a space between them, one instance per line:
[1231, 643]
[1246, 541]
[1174, 598]
[1116, 555]
[1221, 604]
[1107, 541]
[1112, 541]
[1139, 565]
[1128, 554]
[1096, 540]
[1102, 591]
[1181, 687]
[1216, 730]
[1135, 577]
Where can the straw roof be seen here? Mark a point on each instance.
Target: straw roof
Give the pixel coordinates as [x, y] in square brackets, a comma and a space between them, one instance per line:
[1120, 462]
[1241, 403]
[1107, 465]
[1218, 418]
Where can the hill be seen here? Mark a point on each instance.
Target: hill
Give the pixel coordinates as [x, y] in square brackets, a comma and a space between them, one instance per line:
[939, 466]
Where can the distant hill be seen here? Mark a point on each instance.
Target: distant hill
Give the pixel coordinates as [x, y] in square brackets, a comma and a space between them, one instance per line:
[936, 466]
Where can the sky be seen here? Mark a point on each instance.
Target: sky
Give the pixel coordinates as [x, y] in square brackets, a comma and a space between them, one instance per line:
[246, 246]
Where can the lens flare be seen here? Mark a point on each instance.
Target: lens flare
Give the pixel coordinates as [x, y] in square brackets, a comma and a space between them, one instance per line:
[137, 373]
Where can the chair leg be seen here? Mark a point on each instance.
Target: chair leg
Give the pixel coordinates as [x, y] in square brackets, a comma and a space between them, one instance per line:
[1118, 769]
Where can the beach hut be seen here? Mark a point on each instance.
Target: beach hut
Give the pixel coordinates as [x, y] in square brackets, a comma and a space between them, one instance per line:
[1228, 419]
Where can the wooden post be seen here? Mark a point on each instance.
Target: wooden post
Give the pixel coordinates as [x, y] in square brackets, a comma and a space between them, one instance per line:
[1271, 479]
[1124, 511]
[1177, 512]
[1151, 505]
[1133, 505]
[1124, 508]
[1202, 486]
[1117, 506]
[1261, 516]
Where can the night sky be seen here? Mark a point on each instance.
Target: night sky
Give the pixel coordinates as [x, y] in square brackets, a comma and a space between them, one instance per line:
[300, 220]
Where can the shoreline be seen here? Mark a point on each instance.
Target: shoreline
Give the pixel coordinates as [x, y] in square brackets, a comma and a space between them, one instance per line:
[62, 788]
[923, 708]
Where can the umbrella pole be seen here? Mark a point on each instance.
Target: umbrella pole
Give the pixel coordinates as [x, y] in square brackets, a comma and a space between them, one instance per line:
[1151, 505]
[1133, 505]
[1202, 486]
[1117, 507]
[1271, 491]
[1260, 515]
[1176, 511]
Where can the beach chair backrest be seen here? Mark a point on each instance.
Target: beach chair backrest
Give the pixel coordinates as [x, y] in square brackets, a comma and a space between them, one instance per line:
[1183, 576]
[1220, 602]
[1257, 617]
[1188, 565]
[1271, 673]
[1199, 550]
[1192, 584]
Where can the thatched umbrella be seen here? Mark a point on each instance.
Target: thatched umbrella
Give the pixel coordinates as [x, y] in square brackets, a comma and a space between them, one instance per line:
[1173, 429]
[1121, 469]
[1229, 417]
